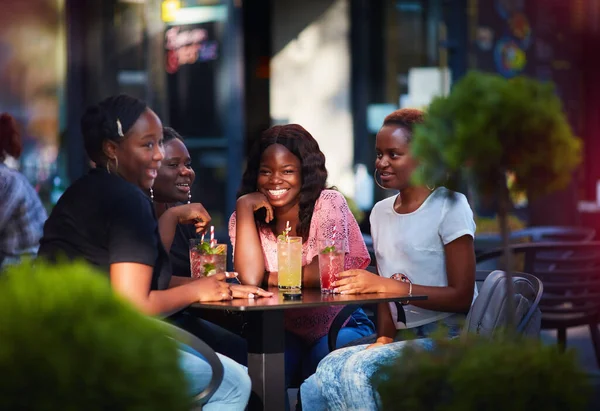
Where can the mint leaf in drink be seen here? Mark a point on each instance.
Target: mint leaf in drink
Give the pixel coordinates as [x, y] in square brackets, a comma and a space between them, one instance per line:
[208, 268]
[204, 247]
[329, 249]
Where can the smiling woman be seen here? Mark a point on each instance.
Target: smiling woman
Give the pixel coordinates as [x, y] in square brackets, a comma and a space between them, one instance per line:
[106, 218]
[285, 183]
[176, 175]
[172, 187]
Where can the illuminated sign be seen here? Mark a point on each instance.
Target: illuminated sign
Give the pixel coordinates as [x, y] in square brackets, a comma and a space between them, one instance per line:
[185, 45]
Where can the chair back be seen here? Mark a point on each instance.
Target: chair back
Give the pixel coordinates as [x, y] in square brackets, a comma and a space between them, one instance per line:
[545, 234]
[570, 272]
[489, 312]
[209, 355]
[555, 234]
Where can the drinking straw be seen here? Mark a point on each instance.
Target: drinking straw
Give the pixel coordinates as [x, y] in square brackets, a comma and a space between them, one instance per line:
[212, 237]
[333, 235]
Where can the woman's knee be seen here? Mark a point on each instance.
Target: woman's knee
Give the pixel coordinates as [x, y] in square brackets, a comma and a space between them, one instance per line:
[236, 384]
[197, 371]
[312, 398]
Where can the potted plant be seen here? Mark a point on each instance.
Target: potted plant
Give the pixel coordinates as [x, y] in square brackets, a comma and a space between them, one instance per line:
[489, 129]
[482, 374]
[68, 343]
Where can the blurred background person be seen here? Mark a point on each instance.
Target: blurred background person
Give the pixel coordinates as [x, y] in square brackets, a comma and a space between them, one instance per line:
[22, 214]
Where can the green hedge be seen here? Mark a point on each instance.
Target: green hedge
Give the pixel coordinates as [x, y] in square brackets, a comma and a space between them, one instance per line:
[482, 374]
[68, 343]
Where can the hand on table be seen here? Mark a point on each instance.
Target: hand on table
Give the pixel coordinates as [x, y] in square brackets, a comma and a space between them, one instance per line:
[248, 291]
[213, 288]
[359, 282]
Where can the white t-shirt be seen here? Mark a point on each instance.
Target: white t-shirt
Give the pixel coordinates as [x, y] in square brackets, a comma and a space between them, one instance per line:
[413, 244]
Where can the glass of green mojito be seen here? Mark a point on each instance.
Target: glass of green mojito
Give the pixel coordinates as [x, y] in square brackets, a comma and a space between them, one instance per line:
[206, 260]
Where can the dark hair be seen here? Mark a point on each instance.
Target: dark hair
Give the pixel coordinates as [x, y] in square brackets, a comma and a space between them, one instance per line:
[313, 172]
[101, 121]
[10, 139]
[170, 134]
[405, 118]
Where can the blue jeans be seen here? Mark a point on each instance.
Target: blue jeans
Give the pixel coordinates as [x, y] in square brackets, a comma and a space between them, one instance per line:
[218, 338]
[234, 391]
[343, 378]
[301, 360]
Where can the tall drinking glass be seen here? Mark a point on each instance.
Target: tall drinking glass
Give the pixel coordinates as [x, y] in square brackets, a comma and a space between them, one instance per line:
[331, 263]
[289, 262]
[205, 260]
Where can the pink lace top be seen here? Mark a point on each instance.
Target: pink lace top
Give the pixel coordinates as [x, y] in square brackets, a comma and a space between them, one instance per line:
[330, 210]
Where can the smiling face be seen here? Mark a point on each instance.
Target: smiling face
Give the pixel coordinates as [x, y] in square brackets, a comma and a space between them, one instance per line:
[394, 161]
[139, 154]
[280, 176]
[175, 176]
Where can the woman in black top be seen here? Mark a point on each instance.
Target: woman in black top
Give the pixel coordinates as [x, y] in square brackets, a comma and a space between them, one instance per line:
[107, 219]
[171, 188]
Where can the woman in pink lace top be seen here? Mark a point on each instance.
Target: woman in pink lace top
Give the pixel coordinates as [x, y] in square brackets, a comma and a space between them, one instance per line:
[285, 181]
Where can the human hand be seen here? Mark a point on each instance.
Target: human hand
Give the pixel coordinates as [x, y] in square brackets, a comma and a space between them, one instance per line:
[248, 291]
[256, 201]
[381, 341]
[193, 213]
[214, 288]
[358, 282]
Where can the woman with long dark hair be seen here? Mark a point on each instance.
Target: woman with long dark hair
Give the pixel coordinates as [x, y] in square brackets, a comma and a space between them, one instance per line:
[285, 181]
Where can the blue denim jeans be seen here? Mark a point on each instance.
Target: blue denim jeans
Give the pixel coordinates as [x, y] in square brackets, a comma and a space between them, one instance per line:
[343, 378]
[301, 360]
[234, 391]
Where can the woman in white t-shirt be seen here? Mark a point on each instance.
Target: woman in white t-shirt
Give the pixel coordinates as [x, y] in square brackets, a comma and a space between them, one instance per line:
[423, 240]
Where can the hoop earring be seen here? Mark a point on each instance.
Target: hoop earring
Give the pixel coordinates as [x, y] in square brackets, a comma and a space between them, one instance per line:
[151, 194]
[430, 188]
[189, 196]
[377, 182]
[116, 160]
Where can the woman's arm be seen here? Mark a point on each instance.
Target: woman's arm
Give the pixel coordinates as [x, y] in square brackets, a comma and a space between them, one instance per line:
[177, 281]
[455, 297]
[194, 213]
[248, 258]
[311, 277]
[460, 269]
[132, 281]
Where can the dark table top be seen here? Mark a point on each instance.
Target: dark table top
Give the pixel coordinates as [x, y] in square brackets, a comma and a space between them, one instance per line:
[311, 297]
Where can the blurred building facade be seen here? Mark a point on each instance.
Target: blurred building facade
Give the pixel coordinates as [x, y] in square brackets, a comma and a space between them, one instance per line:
[222, 71]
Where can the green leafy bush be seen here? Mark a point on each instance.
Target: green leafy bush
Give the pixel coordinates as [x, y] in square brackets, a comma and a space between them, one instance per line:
[490, 126]
[68, 343]
[483, 374]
